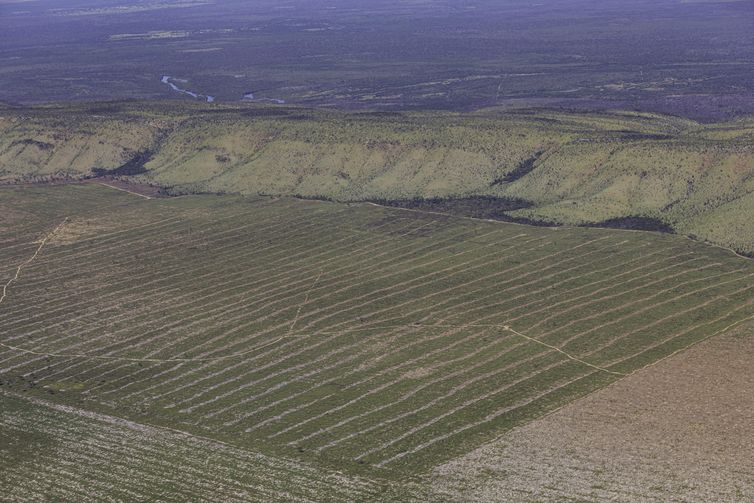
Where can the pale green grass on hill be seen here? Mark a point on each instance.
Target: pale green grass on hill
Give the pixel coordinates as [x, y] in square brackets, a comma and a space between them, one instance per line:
[586, 167]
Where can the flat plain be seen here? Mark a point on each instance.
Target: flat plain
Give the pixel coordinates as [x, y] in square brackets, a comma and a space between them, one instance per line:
[687, 58]
[356, 339]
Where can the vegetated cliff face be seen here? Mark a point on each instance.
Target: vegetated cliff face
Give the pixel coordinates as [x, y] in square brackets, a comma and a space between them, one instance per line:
[573, 168]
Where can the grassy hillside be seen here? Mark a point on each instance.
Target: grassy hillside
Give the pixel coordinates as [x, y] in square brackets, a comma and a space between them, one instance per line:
[572, 168]
[371, 341]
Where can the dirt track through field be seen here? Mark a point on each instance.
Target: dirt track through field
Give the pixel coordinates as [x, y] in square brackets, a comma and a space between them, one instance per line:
[124, 190]
[49, 236]
[378, 338]
[304, 303]
[290, 332]
[567, 355]
[31, 259]
[678, 430]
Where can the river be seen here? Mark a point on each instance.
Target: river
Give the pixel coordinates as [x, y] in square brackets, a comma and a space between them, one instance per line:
[167, 79]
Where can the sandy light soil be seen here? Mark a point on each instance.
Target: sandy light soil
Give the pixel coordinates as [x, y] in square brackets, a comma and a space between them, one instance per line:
[681, 430]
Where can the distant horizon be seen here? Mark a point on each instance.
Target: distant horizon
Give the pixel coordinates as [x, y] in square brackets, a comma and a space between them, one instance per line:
[668, 56]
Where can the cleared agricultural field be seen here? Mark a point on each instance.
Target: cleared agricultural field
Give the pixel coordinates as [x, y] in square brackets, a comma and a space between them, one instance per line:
[59, 453]
[677, 431]
[378, 342]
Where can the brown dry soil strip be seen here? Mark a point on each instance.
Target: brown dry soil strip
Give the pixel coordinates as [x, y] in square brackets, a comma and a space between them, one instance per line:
[679, 430]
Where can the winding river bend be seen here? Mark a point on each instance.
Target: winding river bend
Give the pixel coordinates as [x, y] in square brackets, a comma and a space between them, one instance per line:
[167, 79]
[248, 96]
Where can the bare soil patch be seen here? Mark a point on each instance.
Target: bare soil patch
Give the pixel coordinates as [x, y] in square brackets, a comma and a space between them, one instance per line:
[82, 228]
[680, 430]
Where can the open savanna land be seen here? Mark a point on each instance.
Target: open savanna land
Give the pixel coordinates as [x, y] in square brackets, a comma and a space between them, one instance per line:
[612, 169]
[691, 59]
[349, 348]
[679, 430]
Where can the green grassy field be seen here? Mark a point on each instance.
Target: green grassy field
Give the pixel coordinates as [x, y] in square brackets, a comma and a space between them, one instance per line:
[572, 169]
[371, 341]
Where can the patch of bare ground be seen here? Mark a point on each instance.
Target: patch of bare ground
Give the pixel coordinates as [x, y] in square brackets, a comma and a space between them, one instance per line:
[680, 430]
[82, 228]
